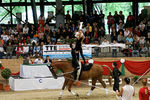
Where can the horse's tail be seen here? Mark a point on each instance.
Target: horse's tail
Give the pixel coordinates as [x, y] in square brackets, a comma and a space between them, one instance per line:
[111, 74]
[110, 71]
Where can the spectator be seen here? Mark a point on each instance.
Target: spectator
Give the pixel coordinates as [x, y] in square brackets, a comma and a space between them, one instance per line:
[135, 49]
[148, 47]
[15, 33]
[136, 31]
[86, 40]
[114, 49]
[147, 30]
[120, 37]
[40, 29]
[141, 25]
[127, 51]
[130, 20]
[126, 32]
[47, 29]
[50, 18]
[31, 51]
[73, 28]
[16, 42]
[96, 33]
[127, 92]
[19, 51]
[19, 27]
[121, 17]
[141, 16]
[5, 37]
[10, 31]
[68, 17]
[101, 19]
[121, 25]
[89, 27]
[39, 60]
[110, 21]
[142, 40]
[41, 20]
[9, 50]
[91, 18]
[130, 39]
[143, 50]
[48, 60]
[88, 33]
[36, 50]
[96, 48]
[105, 42]
[144, 92]
[96, 17]
[27, 60]
[1, 42]
[82, 17]
[60, 27]
[1, 51]
[113, 35]
[116, 18]
[102, 31]
[25, 50]
[143, 32]
[25, 31]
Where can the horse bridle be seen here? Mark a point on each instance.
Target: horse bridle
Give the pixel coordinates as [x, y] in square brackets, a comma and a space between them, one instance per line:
[51, 68]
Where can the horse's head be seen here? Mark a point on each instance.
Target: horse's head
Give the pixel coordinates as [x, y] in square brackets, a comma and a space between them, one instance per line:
[53, 70]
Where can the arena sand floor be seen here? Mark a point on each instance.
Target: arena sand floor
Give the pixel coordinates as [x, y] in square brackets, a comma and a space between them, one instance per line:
[98, 94]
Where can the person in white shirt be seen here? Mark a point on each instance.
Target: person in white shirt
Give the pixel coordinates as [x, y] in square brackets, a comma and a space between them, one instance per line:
[25, 50]
[25, 29]
[5, 37]
[127, 92]
[39, 60]
[105, 42]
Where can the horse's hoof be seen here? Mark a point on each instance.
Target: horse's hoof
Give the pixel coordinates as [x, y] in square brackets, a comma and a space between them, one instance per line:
[77, 95]
[59, 98]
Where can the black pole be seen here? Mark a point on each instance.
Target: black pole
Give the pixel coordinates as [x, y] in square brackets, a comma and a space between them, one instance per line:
[26, 10]
[135, 10]
[42, 7]
[34, 13]
[11, 21]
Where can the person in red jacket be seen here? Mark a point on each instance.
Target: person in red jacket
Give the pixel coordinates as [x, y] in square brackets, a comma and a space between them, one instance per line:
[144, 92]
[19, 50]
[110, 21]
[130, 20]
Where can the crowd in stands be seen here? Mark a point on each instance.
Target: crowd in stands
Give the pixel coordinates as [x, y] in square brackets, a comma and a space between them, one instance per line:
[25, 39]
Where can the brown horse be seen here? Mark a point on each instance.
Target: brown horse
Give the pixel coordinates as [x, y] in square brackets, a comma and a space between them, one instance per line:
[95, 73]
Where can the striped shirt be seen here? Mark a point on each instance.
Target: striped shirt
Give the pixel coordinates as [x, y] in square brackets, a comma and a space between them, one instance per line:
[128, 91]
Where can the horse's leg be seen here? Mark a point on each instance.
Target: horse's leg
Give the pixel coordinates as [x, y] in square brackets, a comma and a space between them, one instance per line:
[69, 88]
[62, 90]
[93, 86]
[103, 84]
[110, 80]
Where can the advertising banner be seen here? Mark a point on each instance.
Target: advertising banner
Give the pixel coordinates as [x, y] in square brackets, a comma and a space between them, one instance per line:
[64, 51]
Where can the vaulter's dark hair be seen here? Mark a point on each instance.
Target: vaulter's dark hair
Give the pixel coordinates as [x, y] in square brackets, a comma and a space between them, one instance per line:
[127, 80]
[115, 64]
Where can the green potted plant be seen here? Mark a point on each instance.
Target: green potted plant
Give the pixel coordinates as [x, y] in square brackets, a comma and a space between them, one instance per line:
[6, 73]
[135, 78]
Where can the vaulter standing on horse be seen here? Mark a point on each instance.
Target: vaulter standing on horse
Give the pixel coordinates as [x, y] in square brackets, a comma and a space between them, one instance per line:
[80, 38]
[76, 64]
